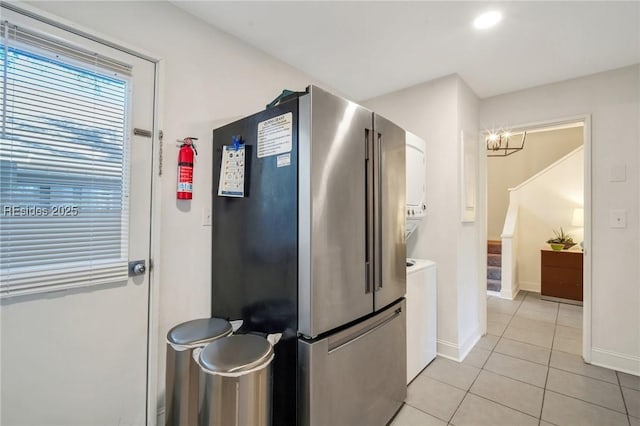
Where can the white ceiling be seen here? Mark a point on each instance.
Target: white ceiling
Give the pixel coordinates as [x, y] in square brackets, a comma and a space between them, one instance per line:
[365, 49]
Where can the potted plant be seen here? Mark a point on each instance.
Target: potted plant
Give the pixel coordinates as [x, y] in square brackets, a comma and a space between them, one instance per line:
[561, 241]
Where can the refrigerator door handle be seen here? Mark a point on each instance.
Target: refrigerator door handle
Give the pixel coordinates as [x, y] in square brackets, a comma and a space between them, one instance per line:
[369, 206]
[343, 339]
[379, 164]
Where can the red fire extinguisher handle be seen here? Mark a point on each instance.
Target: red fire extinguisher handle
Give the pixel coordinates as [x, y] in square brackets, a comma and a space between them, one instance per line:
[188, 141]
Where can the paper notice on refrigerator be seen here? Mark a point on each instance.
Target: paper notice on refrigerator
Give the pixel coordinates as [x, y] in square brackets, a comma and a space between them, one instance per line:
[283, 160]
[232, 172]
[275, 135]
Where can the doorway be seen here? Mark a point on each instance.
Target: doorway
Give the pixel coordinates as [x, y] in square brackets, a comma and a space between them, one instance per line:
[572, 215]
[75, 340]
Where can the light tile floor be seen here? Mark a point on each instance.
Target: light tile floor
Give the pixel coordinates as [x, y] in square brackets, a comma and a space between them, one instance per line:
[527, 370]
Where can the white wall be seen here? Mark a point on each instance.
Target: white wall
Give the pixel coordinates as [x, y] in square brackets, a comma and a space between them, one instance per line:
[209, 78]
[612, 99]
[471, 291]
[541, 150]
[436, 111]
[546, 204]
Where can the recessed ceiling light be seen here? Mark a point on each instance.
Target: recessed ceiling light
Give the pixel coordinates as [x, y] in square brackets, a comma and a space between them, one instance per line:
[487, 20]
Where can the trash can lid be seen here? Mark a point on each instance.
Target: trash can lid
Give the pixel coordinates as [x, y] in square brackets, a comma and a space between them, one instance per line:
[237, 353]
[198, 331]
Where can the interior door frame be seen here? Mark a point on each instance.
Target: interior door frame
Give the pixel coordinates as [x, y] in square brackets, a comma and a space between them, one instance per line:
[153, 302]
[587, 189]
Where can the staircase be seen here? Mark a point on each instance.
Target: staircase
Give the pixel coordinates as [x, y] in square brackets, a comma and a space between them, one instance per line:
[494, 265]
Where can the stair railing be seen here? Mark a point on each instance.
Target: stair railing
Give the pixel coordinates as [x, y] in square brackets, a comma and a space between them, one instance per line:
[508, 289]
[509, 284]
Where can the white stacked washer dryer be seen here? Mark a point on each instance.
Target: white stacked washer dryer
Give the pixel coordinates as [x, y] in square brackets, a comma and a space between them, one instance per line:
[421, 273]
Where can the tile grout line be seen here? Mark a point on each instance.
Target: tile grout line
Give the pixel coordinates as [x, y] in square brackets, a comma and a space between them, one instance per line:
[545, 382]
[581, 375]
[548, 365]
[593, 378]
[515, 357]
[544, 323]
[448, 384]
[554, 391]
[588, 402]
[513, 315]
[482, 368]
[475, 378]
[463, 398]
[544, 390]
[624, 401]
[422, 411]
[551, 350]
[511, 378]
[493, 372]
[526, 343]
[487, 360]
[503, 405]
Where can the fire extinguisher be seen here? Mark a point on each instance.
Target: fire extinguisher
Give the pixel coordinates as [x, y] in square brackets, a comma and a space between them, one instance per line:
[185, 168]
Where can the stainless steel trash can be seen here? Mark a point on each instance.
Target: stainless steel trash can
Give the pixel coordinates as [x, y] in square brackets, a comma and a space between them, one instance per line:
[183, 374]
[238, 381]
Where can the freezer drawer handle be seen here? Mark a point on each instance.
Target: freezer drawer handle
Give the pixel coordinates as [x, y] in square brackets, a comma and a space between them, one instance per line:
[346, 340]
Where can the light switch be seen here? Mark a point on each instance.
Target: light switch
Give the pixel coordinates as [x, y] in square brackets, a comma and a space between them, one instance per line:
[618, 173]
[617, 218]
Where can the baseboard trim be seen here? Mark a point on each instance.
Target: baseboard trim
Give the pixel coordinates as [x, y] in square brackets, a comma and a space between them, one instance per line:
[447, 350]
[493, 293]
[456, 352]
[615, 361]
[508, 294]
[529, 286]
[468, 345]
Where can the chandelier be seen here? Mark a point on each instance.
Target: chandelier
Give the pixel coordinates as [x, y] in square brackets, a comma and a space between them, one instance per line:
[502, 144]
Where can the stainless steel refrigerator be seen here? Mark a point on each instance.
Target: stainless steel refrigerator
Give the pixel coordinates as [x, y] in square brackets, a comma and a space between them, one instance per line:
[309, 241]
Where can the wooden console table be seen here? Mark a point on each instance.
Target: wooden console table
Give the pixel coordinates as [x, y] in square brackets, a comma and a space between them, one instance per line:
[561, 276]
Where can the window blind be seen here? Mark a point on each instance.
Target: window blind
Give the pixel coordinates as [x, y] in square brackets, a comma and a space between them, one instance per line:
[64, 185]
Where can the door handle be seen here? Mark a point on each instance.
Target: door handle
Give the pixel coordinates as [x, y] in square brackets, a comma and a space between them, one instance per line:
[379, 160]
[368, 219]
[137, 267]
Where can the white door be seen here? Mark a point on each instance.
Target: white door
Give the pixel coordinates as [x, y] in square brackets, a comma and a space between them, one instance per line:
[79, 356]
